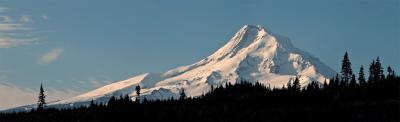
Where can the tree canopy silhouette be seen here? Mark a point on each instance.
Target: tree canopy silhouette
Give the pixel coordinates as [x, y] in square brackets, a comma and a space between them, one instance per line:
[41, 99]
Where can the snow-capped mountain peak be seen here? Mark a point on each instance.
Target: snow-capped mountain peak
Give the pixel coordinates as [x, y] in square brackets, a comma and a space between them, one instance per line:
[252, 54]
[243, 38]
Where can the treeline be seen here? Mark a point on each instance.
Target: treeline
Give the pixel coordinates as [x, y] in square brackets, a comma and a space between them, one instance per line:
[342, 98]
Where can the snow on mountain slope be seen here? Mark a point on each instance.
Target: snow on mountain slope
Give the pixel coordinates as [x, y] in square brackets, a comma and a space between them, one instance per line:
[252, 54]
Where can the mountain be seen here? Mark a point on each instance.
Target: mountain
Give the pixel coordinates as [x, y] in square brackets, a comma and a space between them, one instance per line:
[252, 54]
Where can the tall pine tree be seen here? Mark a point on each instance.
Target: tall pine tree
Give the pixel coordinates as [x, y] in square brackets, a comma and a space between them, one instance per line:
[346, 70]
[325, 85]
[379, 70]
[182, 94]
[289, 86]
[41, 99]
[361, 76]
[337, 81]
[372, 71]
[296, 85]
[138, 92]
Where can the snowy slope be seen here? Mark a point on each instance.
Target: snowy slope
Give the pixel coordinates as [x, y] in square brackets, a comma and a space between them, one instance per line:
[252, 54]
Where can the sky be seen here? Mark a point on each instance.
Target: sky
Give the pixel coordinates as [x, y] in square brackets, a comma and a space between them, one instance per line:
[74, 46]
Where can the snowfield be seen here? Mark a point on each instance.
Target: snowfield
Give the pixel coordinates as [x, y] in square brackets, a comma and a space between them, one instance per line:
[252, 54]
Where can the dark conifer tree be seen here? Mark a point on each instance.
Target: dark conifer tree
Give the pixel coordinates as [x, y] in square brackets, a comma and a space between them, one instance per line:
[289, 87]
[325, 86]
[337, 80]
[372, 71]
[137, 92]
[353, 81]
[391, 74]
[126, 98]
[296, 85]
[378, 70]
[112, 101]
[182, 94]
[331, 82]
[361, 76]
[313, 86]
[91, 105]
[346, 71]
[41, 99]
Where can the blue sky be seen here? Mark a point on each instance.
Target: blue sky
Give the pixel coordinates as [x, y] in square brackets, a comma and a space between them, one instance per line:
[73, 46]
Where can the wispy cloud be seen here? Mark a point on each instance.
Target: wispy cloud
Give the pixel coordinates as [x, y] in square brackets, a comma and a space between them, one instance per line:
[51, 56]
[25, 19]
[9, 27]
[97, 83]
[15, 33]
[9, 42]
[11, 35]
[3, 9]
[92, 82]
[6, 19]
[45, 17]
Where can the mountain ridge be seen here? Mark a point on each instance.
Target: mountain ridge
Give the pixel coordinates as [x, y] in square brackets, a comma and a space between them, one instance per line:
[253, 54]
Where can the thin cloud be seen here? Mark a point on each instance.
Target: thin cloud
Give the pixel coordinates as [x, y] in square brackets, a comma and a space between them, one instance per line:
[14, 32]
[94, 83]
[45, 17]
[3, 9]
[6, 19]
[25, 18]
[97, 83]
[90, 83]
[8, 27]
[51, 56]
[9, 42]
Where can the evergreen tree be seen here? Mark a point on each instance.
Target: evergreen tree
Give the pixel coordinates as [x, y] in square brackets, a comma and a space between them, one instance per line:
[391, 74]
[289, 86]
[325, 86]
[137, 92]
[346, 70]
[361, 76]
[337, 80]
[378, 70]
[372, 71]
[182, 94]
[127, 99]
[112, 101]
[353, 81]
[296, 85]
[41, 99]
[331, 83]
[91, 105]
[313, 86]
